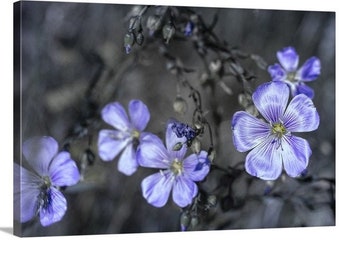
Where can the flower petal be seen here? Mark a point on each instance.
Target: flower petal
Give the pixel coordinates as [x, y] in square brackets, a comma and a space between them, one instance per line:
[139, 114]
[63, 170]
[171, 140]
[115, 115]
[184, 191]
[196, 167]
[26, 193]
[55, 208]
[265, 160]
[301, 115]
[288, 58]
[302, 88]
[271, 100]
[39, 151]
[152, 153]
[277, 72]
[295, 155]
[127, 163]
[310, 70]
[248, 131]
[110, 143]
[156, 188]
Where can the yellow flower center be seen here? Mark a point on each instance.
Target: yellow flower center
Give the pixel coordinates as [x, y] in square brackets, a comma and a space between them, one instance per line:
[135, 134]
[176, 167]
[291, 76]
[279, 130]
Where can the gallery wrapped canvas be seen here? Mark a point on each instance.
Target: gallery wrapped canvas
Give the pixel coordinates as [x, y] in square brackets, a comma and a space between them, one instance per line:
[144, 118]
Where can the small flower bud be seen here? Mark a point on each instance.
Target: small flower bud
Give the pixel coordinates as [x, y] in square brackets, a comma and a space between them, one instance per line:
[185, 221]
[252, 110]
[215, 66]
[177, 146]
[153, 23]
[212, 155]
[196, 146]
[129, 40]
[168, 32]
[212, 200]
[180, 105]
[194, 222]
[188, 29]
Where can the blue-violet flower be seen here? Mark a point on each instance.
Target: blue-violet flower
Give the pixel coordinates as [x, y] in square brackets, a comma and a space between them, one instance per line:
[272, 145]
[127, 135]
[177, 174]
[287, 71]
[37, 192]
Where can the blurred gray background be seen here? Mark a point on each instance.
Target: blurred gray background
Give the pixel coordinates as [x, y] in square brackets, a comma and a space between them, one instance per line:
[73, 63]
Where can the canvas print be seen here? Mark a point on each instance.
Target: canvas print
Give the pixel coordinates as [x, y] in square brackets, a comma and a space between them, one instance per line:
[143, 118]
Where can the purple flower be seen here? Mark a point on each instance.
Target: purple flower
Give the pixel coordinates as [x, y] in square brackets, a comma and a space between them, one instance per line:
[287, 71]
[176, 173]
[127, 134]
[272, 145]
[37, 192]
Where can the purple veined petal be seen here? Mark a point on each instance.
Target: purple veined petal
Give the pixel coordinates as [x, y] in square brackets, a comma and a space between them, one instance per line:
[248, 131]
[63, 170]
[110, 143]
[55, 208]
[26, 193]
[310, 70]
[152, 153]
[139, 114]
[171, 140]
[271, 100]
[115, 115]
[196, 167]
[301, 115]
[265, 160]
[295, 155]
[39, 151]
[127, 163]
[156, 188]
[288, 58]
[183, 191]
[277, 72]
[302, 88]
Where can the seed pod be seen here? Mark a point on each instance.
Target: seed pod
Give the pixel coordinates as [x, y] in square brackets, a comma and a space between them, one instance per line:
[180, 105]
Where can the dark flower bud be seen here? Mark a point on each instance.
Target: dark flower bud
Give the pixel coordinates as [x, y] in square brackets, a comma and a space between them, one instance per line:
[180, 105]
[140, 38]
[168, 32]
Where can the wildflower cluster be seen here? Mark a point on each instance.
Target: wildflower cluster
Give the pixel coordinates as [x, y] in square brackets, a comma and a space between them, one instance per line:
[274, 112]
